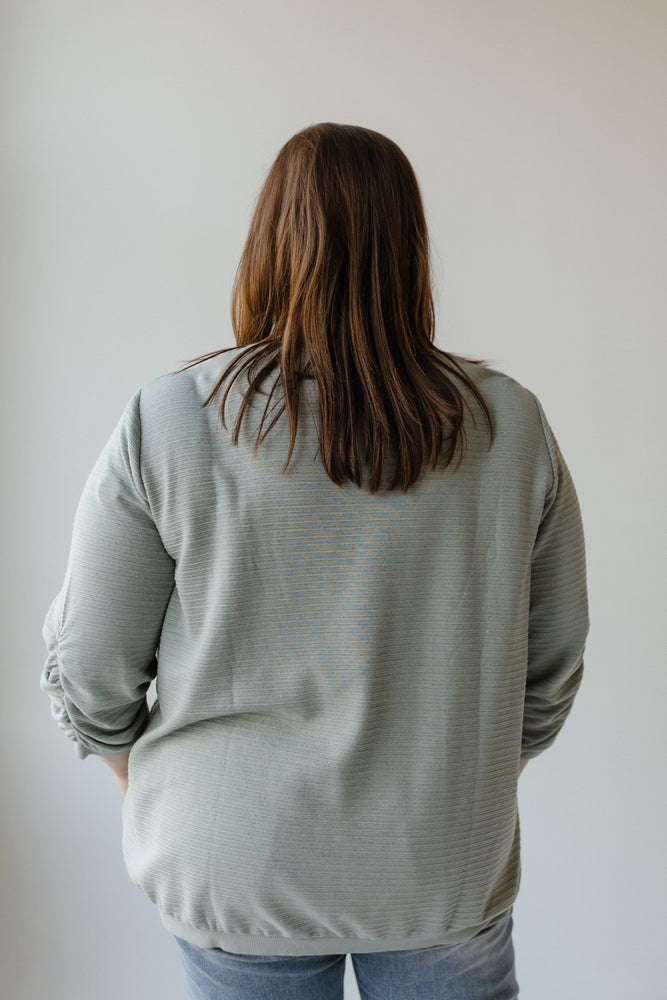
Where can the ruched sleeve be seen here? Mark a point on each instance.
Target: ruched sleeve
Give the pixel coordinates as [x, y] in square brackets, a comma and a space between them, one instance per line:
[558, 617]
[102, 630]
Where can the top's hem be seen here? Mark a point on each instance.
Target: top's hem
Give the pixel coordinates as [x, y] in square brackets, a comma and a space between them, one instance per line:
[247, 944]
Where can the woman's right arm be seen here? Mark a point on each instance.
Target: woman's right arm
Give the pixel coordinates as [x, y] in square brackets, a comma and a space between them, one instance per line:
[558, 611]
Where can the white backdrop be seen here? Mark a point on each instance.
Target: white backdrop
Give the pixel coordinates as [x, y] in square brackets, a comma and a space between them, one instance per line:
[136, 135]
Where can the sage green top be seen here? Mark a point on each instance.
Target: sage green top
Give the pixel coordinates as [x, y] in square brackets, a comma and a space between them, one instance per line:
[344, 683]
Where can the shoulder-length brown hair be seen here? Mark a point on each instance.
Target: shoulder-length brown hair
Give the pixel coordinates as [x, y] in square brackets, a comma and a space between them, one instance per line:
[334, 284]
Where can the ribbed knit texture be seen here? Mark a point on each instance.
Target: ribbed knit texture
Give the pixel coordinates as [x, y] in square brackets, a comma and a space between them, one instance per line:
[346, 682]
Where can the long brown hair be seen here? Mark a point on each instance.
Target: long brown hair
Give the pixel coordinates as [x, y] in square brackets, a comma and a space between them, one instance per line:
[334, 284]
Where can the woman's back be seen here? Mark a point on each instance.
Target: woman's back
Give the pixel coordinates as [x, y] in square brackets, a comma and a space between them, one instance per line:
[346, 680]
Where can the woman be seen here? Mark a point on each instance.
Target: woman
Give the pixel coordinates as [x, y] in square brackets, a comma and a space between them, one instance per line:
[357, 643]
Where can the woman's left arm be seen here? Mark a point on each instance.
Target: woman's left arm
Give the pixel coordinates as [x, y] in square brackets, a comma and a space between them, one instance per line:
[102, 630]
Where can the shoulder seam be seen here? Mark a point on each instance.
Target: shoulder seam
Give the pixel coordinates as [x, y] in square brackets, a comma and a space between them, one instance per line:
[552, 456]
[141, 474]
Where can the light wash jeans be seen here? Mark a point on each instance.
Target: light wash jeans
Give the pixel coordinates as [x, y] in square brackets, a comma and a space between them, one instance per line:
[479, 969]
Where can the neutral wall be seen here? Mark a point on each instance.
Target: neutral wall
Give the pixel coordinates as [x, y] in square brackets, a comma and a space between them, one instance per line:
[135, 138]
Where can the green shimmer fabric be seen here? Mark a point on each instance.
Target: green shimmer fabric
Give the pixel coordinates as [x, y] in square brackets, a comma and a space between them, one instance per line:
[344, 683]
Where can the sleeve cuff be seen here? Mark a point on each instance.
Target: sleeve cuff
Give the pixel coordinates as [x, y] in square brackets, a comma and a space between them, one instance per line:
[51, 684]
